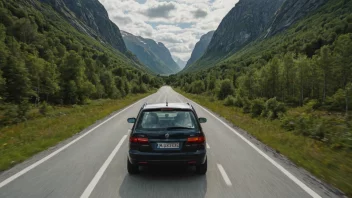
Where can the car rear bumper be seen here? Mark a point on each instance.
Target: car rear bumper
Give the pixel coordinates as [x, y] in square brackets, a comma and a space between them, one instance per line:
[145, 158]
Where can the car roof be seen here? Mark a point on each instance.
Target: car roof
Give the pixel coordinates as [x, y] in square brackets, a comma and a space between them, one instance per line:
[168, 105]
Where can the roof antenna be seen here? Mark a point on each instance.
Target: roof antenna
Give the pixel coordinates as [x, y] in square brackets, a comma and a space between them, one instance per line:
[167, 104]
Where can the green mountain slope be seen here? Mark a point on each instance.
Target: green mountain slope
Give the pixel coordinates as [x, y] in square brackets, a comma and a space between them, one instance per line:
[44, 58]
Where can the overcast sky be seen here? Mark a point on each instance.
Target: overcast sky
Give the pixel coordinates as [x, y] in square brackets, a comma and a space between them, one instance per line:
[177, 23]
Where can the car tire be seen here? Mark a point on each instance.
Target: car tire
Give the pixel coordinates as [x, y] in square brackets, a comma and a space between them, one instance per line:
[202, 169]
[132, 169]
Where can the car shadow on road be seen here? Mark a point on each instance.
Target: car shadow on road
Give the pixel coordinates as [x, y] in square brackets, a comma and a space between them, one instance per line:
[164, 182]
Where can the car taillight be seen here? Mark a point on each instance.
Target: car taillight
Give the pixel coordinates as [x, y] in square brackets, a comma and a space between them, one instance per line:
[139, 140]
[200, 139]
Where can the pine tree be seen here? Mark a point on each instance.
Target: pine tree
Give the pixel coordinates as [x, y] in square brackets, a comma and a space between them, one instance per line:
[325, 63]
[73, 77]
[50, 81]
[302, 76]
[343, 53]
[18, 84]
[288, 76]
[35, 68]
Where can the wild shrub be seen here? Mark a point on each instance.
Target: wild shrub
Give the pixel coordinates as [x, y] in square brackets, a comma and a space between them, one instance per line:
[238, 101]
[15, 113]
[229, 101]
[311, 105]
[337, 102]
[23, 109]
[257, 106]
[303, 124]
[288, 122]
[10, 115]
[273, 108]
[246, 107]
[44, 108]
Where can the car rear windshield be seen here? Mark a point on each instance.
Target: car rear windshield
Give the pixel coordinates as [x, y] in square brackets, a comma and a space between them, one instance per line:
[154, 120]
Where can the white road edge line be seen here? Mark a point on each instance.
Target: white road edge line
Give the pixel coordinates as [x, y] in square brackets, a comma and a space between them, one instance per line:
[102, 169]
[208, 147]
[25, 170]
[224, 175]
[277, 165]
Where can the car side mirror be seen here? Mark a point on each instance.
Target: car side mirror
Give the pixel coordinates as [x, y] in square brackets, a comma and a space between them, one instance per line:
[202, 120]
[131, 120]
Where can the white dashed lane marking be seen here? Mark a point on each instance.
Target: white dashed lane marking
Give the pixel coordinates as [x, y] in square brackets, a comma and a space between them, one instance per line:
[224, 175]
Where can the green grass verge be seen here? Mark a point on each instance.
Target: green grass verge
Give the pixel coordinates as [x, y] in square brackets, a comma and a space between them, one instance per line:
[330, 165]
[21, 141]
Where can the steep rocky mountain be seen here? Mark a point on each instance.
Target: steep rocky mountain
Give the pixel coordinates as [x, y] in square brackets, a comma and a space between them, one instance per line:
[181, 63]
[243, 24]
[154, 55]
[90, 17]
[200, 47]
[253, 20]
[290, 12]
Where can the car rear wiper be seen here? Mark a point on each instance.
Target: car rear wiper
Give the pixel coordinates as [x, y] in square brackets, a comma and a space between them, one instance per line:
[172, 128]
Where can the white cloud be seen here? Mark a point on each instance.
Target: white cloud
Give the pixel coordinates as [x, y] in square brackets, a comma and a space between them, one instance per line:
[177, 23]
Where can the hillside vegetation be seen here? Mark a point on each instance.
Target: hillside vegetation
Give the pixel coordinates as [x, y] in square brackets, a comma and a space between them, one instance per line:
[327, 163]
[44, 60]
[301, 78]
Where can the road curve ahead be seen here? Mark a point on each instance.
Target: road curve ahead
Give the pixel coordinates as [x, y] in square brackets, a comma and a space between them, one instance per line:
[93, 164]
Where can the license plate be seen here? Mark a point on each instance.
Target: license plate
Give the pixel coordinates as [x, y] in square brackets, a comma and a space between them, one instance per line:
[168, 145]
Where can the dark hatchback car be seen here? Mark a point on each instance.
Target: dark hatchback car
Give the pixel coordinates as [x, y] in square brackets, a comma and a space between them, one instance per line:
[167, 134]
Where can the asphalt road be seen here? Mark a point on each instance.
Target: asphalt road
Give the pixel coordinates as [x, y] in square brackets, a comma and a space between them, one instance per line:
[93, 164]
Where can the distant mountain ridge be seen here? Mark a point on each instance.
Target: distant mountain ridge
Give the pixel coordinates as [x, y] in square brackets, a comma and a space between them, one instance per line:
[181, 63]
[152, 54]
[90, 17]
[200, 47]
